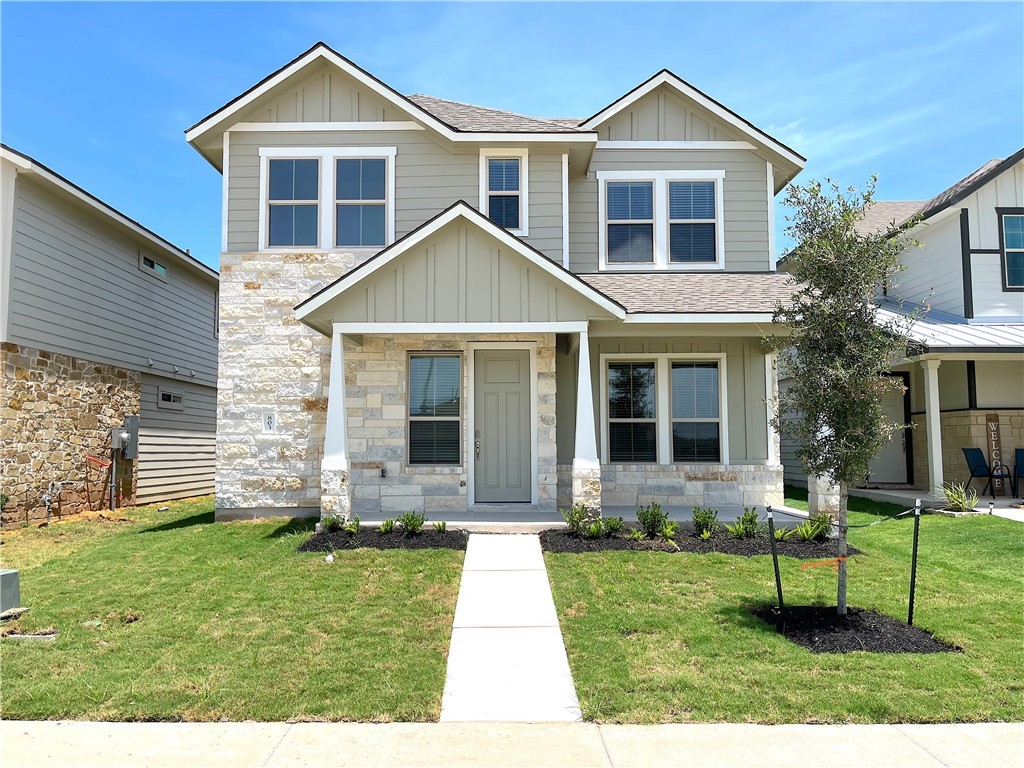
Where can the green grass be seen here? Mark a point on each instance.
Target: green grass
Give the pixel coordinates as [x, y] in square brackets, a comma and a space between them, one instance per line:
[232, 623]
[656, 637]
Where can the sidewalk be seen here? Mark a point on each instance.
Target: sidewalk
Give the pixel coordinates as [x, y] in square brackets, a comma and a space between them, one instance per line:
[227, 745]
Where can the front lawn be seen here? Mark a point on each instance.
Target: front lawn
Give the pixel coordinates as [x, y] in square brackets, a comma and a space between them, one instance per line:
[203, 621]
[655, 637]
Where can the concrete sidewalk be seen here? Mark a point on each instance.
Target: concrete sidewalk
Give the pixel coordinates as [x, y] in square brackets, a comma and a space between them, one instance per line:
[227, 745]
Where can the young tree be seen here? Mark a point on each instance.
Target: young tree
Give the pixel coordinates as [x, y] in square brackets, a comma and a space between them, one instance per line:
[839, 349]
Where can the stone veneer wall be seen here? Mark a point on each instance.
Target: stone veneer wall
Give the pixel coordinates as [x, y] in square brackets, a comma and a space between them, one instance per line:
[271, 363]
[375, 397]
[965, 429]
[56, 411]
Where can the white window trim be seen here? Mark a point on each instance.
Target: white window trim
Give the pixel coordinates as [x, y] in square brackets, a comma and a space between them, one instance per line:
[161, 391]
[1004, 261]
[660, 181]
[663, 400]
[326, 202]
[460, 417]
[523, 155]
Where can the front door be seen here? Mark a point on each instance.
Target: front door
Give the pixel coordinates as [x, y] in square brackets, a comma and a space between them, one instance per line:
[501, 442]
[890, 464]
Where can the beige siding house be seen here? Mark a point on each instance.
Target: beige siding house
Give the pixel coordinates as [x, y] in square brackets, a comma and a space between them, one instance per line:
[964, 372]
[439, 306]
[99, 319]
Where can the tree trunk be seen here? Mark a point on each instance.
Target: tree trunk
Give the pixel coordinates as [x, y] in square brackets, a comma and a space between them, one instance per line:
[841, 519]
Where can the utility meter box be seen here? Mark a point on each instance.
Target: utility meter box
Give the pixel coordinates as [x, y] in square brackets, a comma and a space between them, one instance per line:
[126, 438]
[10, 590]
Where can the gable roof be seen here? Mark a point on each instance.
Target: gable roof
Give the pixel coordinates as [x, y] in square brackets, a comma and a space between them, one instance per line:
[459, 209]
[30, 165]
[882, 213]
[666, 77]
[470, 117]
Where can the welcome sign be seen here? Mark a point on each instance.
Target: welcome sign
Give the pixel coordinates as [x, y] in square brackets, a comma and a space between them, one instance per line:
[995, 450]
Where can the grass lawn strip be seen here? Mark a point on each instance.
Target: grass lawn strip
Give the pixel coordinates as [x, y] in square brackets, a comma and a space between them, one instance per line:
[658, 637]
[230, 621]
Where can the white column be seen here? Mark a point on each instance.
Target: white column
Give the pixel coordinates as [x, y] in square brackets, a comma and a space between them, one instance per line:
[933, 425]
[585, 455]
[335, 447]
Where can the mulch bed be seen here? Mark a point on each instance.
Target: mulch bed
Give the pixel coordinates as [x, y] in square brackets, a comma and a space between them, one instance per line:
[820, 629]
[371, 538]
[561, 540]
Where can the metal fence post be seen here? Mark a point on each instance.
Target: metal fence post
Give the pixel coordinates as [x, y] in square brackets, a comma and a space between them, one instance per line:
[913, 562]
[775, 559]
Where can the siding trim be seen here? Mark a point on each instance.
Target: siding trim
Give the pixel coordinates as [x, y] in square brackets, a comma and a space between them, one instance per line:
[692, 145]
[565, 210]
[965, 259]
[8, 192]
[1000, 212]
[386, 125]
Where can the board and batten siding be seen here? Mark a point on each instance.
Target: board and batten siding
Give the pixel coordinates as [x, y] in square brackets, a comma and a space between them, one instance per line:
[177, 448]
[76, 288]
[933, 273]
[745, 194]
[662, 115]
[429, 177]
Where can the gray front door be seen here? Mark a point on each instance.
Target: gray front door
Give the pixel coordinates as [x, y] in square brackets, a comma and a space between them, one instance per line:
[502, 425]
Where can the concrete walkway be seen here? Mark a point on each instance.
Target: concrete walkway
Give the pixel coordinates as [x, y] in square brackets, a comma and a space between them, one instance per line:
[275, 745]
[507, 659]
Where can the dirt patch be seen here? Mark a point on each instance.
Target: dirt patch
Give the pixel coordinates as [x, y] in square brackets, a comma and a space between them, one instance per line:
[561, 540]
[374, 539]
[820, 629]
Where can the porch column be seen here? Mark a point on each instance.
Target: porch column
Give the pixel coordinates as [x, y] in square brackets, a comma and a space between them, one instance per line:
[334, 490]
[586, 467]
[933, 427]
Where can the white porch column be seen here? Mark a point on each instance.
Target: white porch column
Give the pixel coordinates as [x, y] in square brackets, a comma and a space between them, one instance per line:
[586, 467]
[334, 490]
[932, 418]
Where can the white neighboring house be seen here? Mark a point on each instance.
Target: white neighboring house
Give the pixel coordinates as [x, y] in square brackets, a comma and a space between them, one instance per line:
[965, 369]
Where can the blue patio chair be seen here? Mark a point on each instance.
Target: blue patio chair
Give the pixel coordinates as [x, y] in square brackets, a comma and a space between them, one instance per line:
[1018, 471]
[979, 468]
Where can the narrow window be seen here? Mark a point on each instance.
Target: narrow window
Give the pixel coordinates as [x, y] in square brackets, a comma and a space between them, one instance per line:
[696, 420]
[503, 191]
[293, 198]
[435, 409]
[630, 222]
[1013, 250]
[691, 216]
[632, 430]
[361, 202]
[170, 399]
[154, 266]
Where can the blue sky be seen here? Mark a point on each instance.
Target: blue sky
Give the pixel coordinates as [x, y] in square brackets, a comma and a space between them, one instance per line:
[921, 93]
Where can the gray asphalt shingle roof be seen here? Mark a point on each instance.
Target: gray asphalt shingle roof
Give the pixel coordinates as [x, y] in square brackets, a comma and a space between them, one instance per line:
[879, 215]
[470, 117]
[689, 292]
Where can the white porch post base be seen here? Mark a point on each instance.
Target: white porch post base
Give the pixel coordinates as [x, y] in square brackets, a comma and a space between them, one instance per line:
[586, 488]
[335, 498]
[822, 496]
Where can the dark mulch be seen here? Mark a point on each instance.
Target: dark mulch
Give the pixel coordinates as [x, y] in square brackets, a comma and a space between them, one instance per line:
[561, 540]
[821, 630]
[372, 538]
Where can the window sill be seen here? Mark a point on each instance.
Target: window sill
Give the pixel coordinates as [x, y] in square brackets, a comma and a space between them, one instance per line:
[654, 267]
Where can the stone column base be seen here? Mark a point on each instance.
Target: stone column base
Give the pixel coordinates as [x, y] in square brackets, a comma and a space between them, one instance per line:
[822, 496]
[586, 489]
[335, 497]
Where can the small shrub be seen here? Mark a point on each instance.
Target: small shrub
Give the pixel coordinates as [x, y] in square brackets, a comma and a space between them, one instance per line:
[705, 520]
[669, 530]
[593, 530]
[783, 534]
[823, 524]
[959, 497]
[613, 526]
[575, 518]
[440, 526]
[635, 534]
[411, 523]
[388, 526]
[736, 530]
[749, 522]
[332, 523]
[815, 529]
[352, 526]
[651, 519]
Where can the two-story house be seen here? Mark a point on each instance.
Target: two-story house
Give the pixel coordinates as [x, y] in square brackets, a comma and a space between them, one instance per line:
[964, 370]
[100, 318]
[438, 306]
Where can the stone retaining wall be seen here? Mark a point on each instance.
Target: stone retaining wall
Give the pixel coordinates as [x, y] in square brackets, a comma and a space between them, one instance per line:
[692, 484]
[57, 411]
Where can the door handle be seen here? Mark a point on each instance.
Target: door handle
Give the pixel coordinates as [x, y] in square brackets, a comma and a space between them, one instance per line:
[478, 450]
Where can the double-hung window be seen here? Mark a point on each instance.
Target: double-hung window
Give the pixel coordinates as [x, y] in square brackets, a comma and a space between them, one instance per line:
[435, 409]
[1012, 236]
[695, 412]
[664, 219]
[361, 202]
[632, 411]
[293, 197]
[503, 188]
[691, 222]
[630, 222]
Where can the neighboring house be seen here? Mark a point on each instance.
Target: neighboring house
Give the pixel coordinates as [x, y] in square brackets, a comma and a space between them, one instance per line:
[965, 367]
[438, 306]
[100, 318]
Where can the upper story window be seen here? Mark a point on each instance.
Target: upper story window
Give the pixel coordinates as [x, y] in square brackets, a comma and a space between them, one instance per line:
[148, 264]
[503, 188]
[661, 219]
[293, 197]
[1012, 237]
[327, 198]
